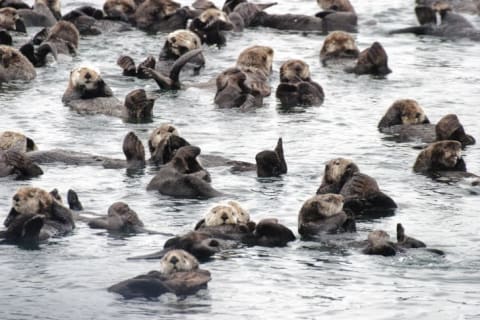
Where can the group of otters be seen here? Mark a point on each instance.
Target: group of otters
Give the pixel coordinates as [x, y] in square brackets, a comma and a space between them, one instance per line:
[344, 194]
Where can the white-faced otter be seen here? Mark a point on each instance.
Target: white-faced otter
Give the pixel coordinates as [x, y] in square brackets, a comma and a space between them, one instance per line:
[210, 26]
[55, 218]
[324, 214]
[338, 46]
[245, 85]
[179, 274]
[183, 176]
[45, 13]
[15, 66]
[161, 15]
[443, 161]
[296, 86]
[16, 141]
[439, 20]
[373, 60]
[360, 191]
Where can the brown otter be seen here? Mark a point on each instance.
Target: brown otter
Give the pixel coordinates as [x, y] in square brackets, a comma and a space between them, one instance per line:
[450, 128]
[132, 148]
[403, 111]
[296, 86]
[16, 141]
[242, 13]
[373, 60]
[161, 15]
[10, 20]
[179, 274]
[44, 13]
[245, 85]
[64, 36]
[183, 176]
[163, 143]
[337, 5]
[210, 26]
[338, 46]
[38, 56]
[439, 20]
[15, 66]
[120, 218]
[57, 220]
[13, 162]
[463, 6]
[361, 192]
[324, 214]
[271, 163]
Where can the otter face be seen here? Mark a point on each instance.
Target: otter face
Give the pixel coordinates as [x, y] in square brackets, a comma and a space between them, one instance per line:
[161, 133]
[337, 5]
[85, 78]
[29, 200]
[294, 71]
[377, 236]
[329, 204]
[256, 58]
[181, 41]
[447, 153]
[8, 18]
[221, 215]
[338, 44]
[410, 112]
[117, 8]
[16, 140]
[177, 261]
[212, 15]
[242, 215]
[337, 169]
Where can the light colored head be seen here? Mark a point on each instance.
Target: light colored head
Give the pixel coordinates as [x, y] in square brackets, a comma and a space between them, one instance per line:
[84, 77]
[17, 141]
[30, 200]
[8, 18]
[53, 5]
[337, 5]
[378, 236]
[211, 15]
[161, 133]
[256, 58]
[242, 215]
[294, 71]
[177, 261]
[325, 205]
[119, 6]
[339, 44]
[336, 169]
[220, 215]
[182, 41]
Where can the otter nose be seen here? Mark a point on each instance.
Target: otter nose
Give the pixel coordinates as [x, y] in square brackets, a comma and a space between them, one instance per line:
[16, 198]
[224, 217]
[88, 76]
[173, 260]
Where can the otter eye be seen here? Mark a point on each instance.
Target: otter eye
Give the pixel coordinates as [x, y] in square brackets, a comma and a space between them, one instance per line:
[418, 115]
[337, 163]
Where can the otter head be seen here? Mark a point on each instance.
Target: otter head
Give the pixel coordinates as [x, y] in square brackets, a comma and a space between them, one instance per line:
[85, 78]
[138, 105]
[16, 141]
[338, 45]
[164, 142]
[294, 71]
[121, 212]
[180, 42]
[221, 215]
[378, 236]
[373, 60]
[242, 215]
[119, 9]
[403, 111]
[209, 26]
[213, 17]
[29, 200]
[321, 207]
[160, 134]
[336, 5]
[177, 261]
[9, 18]
[256, 58]
[440, 156]
[338, 171]
[66, 32]
[450, 128]
[161, 15]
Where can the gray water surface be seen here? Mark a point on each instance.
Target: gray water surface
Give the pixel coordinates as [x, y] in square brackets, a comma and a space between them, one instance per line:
[67, 278]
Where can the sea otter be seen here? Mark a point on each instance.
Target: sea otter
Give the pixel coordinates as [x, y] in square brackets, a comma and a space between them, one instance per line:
[373, 60]
[211, 25]
[439, 20]
[243, 14]
[179, 274]
[443, 161]
[45, 13]
[16, 141]
[338, 46]
[13, 162]
[161, 15]
[64, 36]
[323, 214]
[296, 86]
[183, 176]
[464, 6]
[337, 5]
[360, 191]
[57, 219]
[10, 20]
[163, 143]
[245, 85]
[132, 148]
[15, 66]
[120, 218]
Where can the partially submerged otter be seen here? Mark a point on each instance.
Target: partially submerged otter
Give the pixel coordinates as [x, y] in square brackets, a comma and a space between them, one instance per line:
[15, 66]
[45, 13]
[120, 218]
[183, 176]
[179, 274]
[323, 214]
[338, 46]
[10, 140]
[210, 26]
[37, 216]
[373, 60]
[10, 20]
[13, 162]
[296, 85]
[360, 191]
[87, 93]
[245, 85]
[161, 15]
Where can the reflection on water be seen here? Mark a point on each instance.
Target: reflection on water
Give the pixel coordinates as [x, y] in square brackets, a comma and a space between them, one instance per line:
[68, 277]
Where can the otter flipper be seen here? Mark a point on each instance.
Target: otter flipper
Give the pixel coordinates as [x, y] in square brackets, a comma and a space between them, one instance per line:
[180, 63]
[5, 38]
[151, 256]
[279, 152]
[20, 26]
[31, 229]
[73, 201]
[165, 150]
[128, 66]
[418, 30]
[148, 63]
[22, 164]
[134, 151]
[40, 37]
[138, 105]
